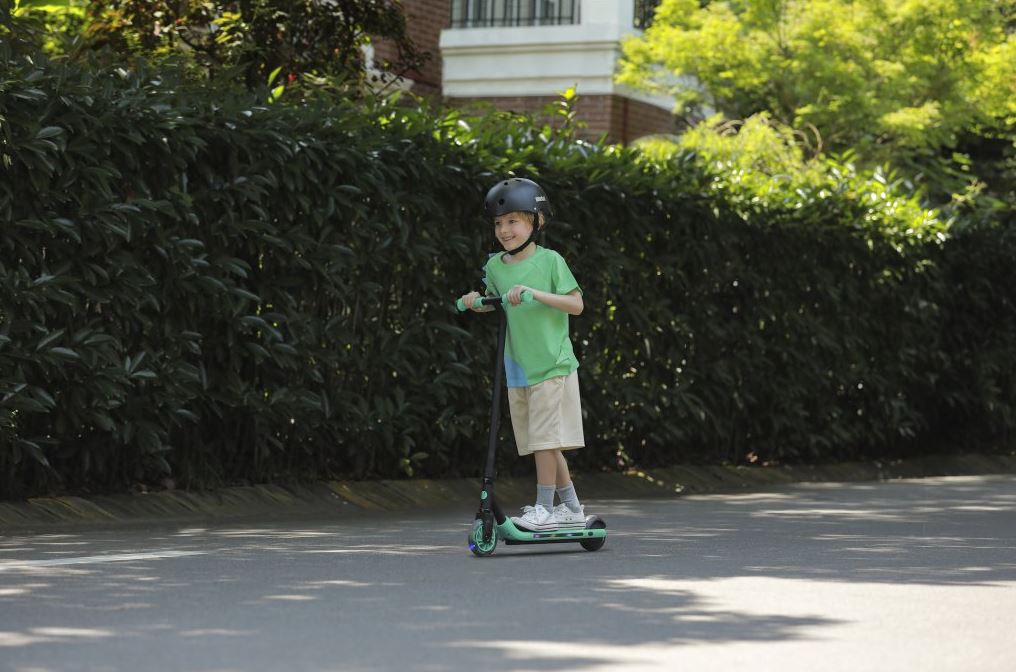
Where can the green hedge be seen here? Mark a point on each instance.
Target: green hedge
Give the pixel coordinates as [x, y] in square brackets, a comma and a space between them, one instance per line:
[198, 285]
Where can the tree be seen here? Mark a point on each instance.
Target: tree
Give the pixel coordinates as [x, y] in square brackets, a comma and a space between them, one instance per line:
[904, 81]
[255, 38]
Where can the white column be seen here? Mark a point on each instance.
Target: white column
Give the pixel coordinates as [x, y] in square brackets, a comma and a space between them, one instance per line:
[620, 13]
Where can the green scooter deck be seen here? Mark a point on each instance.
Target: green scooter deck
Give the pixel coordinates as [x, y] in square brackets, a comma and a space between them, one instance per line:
[591, 537]
[511, 534]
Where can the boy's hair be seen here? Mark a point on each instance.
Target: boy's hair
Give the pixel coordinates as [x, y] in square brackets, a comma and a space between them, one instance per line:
[532, 218]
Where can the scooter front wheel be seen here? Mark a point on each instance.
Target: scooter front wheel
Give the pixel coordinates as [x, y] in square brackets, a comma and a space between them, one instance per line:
[476, 543]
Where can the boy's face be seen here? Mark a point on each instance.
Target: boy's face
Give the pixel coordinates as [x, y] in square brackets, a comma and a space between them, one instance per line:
[513, 229]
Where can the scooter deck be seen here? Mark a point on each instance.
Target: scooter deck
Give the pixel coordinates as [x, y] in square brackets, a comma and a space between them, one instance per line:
[511, 534]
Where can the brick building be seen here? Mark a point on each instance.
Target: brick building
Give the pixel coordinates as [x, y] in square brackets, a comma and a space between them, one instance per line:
[520, 55]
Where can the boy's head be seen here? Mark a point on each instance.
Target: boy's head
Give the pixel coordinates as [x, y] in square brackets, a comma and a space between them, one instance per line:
[519, 209]
[517, 228]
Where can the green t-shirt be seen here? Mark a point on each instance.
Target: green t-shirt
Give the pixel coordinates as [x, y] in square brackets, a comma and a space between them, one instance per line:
[538, 346]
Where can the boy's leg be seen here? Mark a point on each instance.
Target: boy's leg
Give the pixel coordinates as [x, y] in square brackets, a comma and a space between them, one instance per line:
[547, 466]
[563, 476]
[546, 477]
[565, 488]
[541, 517]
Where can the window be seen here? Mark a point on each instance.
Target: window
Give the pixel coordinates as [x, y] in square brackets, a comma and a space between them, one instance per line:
[644, 12]
[503, 13]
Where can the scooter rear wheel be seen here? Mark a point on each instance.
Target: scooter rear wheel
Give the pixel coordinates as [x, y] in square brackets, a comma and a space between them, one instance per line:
[595, 544]
[476, 544]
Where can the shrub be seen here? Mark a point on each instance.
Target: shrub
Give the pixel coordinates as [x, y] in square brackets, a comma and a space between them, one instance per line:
[199, 285]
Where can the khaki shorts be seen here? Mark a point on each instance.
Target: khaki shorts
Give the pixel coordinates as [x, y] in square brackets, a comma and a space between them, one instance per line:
[547, 415]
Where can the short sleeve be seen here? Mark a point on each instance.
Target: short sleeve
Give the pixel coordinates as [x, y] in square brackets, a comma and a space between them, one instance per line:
[561, 277]
[487, 282]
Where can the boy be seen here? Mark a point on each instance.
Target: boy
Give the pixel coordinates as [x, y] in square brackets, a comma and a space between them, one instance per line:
[540, 365]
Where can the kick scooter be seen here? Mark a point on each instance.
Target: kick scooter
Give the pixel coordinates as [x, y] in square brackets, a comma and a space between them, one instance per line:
[491, 523]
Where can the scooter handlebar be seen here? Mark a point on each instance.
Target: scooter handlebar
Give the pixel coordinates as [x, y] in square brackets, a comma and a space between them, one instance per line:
[527, 297]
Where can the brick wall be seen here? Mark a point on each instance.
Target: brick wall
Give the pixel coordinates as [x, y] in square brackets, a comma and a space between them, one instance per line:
[424, 21]
[622, 119]
[633, 119]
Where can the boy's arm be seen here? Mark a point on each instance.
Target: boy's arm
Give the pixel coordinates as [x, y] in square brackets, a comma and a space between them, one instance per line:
[570, 303]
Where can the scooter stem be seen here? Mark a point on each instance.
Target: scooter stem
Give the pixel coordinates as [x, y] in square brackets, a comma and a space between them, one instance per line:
[495, 407]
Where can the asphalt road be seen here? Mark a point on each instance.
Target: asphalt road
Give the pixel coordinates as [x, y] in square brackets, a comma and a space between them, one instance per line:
[908, 575]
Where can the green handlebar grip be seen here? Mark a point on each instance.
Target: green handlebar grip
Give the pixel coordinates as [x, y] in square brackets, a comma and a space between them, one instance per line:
[527, 297]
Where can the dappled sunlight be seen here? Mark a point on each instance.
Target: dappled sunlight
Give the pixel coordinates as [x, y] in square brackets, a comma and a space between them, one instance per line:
[23, 589]
[621, 507]
[290, 598]
[48, 571]
[699, 610]
[920, 531]
[393, 549]
[714, 623]
[338, 583]
[651, 584]
[6, 565]
[122, 606]
[575, 656]
[733, 499]
[268, 533]
[869, 514]
[73, 632]
[539, 654]
[51, 635]
[216, 632]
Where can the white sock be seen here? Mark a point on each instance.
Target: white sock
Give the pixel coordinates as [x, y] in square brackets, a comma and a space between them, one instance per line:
[545, 496]
[569, 498]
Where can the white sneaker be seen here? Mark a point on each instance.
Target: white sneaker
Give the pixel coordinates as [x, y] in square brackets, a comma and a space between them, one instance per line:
[565, 516]
[536, 519]
[568, 518]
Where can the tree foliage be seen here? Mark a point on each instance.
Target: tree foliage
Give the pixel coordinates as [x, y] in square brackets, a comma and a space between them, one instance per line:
[903, 81]
[247, 40]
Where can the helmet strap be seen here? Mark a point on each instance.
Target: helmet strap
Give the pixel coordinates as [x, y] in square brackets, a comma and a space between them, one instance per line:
[521, 247]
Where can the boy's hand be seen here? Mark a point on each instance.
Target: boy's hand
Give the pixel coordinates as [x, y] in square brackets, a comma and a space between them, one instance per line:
[468, 299]
[515, 294]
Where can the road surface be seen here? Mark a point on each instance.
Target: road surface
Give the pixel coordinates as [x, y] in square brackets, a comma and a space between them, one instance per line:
[903, 575]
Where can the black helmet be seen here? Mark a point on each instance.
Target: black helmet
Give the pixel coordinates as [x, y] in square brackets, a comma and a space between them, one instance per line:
[516, 194]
